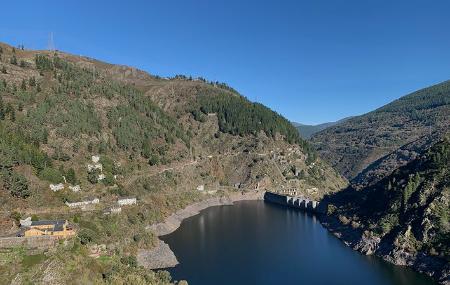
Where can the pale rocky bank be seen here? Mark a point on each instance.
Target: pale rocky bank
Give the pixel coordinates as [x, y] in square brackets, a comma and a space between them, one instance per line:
[162, 256]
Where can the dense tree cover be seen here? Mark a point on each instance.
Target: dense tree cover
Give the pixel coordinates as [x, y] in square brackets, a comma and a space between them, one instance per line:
[431, 97]
[16, 150]
[415, 195]
[139, 123]
[238, 116]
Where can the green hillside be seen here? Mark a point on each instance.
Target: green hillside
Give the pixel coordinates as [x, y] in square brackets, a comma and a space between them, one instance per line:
[406, 214]
[404, 127]
[116, 131]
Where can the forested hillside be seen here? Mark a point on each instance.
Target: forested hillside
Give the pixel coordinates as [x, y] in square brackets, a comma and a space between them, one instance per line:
[73, 129]
[374, 144]
[405, 217]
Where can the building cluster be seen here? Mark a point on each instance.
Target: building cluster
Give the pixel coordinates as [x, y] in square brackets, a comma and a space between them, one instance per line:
[96, 165]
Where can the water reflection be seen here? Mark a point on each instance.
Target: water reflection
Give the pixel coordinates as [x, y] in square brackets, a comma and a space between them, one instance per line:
[259, 243]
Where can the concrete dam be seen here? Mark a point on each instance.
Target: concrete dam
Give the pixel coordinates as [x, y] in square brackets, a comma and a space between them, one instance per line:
[297, 202]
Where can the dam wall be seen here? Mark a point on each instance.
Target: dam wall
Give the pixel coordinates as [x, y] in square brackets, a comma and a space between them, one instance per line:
[296, 202]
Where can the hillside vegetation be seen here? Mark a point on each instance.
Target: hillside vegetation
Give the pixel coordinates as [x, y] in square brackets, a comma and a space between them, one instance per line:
[116, 131]
[368, 147]
[404, 217]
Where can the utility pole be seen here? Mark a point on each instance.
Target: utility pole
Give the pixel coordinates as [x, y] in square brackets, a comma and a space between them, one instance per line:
[51, 44]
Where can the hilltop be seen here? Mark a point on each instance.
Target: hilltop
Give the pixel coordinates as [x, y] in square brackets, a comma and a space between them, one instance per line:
[366, 148]
[90, 129]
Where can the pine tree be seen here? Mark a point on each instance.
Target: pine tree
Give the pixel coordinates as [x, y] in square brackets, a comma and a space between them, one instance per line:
[23, 86]
[2, 109]
[32, 81]
[13, 60]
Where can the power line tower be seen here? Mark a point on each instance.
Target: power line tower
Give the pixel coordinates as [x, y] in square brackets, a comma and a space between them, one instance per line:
[51, 43]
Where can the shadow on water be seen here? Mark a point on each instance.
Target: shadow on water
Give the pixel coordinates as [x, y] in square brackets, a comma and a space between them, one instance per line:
[254, 242]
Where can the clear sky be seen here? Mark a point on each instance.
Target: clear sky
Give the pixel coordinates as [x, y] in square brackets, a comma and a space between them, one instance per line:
[312, 61]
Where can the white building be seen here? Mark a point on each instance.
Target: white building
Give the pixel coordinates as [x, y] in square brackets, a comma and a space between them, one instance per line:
[101, 177]
[26, 222]
[201, 187]
[83, 204]
[92, 167]
[95, 158]
[126, 201]
[75, 188]
[56, 187]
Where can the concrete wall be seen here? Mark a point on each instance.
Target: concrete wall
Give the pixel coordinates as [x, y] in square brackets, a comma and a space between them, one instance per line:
[29, 242]
[293, 202]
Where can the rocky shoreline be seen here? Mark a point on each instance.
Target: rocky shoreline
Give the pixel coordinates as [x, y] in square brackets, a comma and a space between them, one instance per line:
[434, 267]
[162, 256]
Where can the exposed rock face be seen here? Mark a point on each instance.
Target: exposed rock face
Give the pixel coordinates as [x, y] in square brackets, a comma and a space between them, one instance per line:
[371, 245]
[368, 244]
[159, 257]
[403, 217]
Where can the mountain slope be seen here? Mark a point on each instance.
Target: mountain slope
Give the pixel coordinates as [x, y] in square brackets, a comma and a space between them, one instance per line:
[306, 131]
[156, 139]
[405, 217]
[364, 144]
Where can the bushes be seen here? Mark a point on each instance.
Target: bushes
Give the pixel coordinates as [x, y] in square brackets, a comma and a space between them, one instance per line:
[17, 185]
[52, 175]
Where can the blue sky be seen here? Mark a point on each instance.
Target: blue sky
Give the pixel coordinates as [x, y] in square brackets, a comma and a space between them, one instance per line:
[312, 61]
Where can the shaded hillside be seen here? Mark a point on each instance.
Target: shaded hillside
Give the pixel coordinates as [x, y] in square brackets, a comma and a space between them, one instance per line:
[306, 131]
[362, 143]
[116, 131]
[404, 217]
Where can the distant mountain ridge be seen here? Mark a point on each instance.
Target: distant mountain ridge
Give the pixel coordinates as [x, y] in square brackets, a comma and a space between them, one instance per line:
[363, 147]
[306, 131]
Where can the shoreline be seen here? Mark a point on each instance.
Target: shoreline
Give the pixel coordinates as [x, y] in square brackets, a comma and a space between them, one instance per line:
[162, 256]
[431, 266]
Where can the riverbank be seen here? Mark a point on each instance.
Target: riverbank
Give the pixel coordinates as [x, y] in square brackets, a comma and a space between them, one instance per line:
[162, 256]
[432, 266]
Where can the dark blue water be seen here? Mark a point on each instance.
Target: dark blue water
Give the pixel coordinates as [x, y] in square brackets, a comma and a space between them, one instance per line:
[260, 243]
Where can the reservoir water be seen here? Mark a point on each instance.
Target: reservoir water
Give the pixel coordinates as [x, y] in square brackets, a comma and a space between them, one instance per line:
[254, 242]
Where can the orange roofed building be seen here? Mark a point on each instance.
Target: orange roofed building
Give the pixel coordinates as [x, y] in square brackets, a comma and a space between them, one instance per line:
[57, 228]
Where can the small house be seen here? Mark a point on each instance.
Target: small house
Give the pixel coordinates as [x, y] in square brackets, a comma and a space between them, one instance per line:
[56, 187]
[126, 201]
[58, 228]
[75, 188]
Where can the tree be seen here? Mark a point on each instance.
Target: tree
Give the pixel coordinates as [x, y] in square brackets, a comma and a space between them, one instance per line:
[2, 109]
[71, 177]
[18, 185]
[23, 86]
[32, 81]
[4, 70]
[93, 177]
[13, 60]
